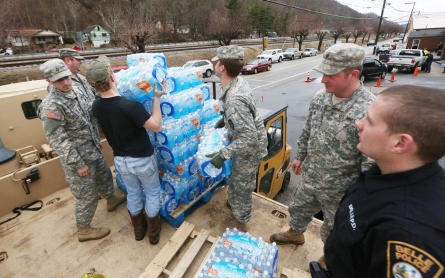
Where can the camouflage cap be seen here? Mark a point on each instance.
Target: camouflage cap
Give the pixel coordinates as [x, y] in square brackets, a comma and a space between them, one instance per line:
[54, 69]
[340, 57]
[68, 52]
[98, 71]
[229, 52]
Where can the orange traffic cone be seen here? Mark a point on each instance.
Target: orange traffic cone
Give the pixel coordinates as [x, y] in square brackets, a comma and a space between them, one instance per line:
[393, 75]
[378, 82]
[416, 71]
[308, 79]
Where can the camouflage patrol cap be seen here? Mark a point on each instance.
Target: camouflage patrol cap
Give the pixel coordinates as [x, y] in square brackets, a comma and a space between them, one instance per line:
[68, 52]
[229, 52]
[54, 69]
[340, 57]
[98, 71]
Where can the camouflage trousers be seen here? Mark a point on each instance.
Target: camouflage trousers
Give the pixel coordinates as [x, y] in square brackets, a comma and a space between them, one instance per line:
[86, 189]
[242, 183]
[311, 196]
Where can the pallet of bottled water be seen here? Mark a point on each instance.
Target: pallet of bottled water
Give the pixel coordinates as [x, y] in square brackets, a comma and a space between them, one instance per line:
[239, 255]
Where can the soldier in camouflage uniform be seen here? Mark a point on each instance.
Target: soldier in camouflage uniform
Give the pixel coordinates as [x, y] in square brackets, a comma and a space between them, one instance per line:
[73, 61]
[249, 139]
[70, 130]
[327, 157]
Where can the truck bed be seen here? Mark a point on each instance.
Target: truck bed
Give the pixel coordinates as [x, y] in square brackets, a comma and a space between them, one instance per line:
[44, 243]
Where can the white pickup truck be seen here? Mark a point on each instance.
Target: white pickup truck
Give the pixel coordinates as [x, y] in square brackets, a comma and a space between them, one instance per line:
[273, 55]
[407, 59]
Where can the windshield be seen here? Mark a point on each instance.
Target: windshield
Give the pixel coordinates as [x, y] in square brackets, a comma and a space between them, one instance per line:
[267, 52]
[308, 49]
[188, 65]
[290, 50]
[252, 62]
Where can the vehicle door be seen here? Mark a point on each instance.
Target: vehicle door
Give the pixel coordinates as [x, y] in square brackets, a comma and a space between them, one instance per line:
[273, 167]
[274, 56]
[262, 64]
[369, 68]
[379, 67]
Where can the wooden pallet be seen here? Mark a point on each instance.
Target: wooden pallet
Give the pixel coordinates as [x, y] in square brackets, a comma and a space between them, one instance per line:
[177, 217]
[159, 264]
[295, 273]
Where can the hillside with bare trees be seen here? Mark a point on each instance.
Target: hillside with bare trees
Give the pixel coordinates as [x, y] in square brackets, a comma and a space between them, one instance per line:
[136, 23]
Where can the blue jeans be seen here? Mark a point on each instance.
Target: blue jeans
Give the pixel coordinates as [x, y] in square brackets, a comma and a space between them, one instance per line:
[141, 177]
[428, 66]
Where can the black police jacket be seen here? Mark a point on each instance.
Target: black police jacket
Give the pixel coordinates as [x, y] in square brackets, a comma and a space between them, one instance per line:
[390, 225]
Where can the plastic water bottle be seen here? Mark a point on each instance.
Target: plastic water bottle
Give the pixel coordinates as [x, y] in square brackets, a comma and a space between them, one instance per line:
[205, 90]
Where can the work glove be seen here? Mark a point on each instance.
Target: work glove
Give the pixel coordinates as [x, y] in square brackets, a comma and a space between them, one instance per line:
[217, 159]
[220, 123]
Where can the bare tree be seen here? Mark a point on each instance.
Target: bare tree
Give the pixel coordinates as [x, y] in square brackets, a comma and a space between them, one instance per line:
[337, 30]
[225, 28]
[112, 17]
[357, 33]
[139, 27]
[320, 36]
[347, 35]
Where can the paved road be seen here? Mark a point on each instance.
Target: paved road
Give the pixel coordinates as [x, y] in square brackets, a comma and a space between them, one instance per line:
[284, 85]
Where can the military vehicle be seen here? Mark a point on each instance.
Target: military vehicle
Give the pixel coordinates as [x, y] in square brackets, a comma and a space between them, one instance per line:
[43, 242]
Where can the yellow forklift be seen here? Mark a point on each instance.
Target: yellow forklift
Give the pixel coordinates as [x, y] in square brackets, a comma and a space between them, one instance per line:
[273, 173]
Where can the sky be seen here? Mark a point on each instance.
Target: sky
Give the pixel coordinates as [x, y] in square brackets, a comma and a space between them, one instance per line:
[396, 10]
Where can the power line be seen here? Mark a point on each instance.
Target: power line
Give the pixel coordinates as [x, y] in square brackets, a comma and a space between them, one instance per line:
[311, 11]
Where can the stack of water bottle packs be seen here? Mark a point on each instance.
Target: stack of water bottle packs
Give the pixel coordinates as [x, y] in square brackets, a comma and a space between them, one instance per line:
[239, 255]
[187, 134]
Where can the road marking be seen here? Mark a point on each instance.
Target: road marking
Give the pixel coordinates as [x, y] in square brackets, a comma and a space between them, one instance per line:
[280, 80]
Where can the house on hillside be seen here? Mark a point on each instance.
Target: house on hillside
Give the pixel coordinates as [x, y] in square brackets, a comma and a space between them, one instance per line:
[34, 37]
[426, 31]
[97, 35]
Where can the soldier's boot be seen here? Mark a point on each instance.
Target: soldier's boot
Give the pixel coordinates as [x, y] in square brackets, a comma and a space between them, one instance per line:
[154, 228]
[114, 201]
[85, 233]
[240, 226]
[322, 262]
[288, 237]
[139, 225]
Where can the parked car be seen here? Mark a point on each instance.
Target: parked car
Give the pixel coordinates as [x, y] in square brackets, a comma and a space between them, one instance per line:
[330, 45]
[119, 68]
[77, 47]
[292, 53]
[273, 55]
[384, 48]
[371, 42]
[205, 66]
[6, 51]
[310, 52]
[256, 65]
[54, 50]
[373, 68]
[384, 57]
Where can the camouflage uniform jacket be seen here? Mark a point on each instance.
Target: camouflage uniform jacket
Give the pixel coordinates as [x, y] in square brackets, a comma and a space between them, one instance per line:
[70, 127]
[328, 143]
[81, 84]
[245, 123]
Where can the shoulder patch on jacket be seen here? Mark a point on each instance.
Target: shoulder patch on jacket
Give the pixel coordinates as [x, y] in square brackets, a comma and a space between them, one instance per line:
[406, 260]
[54, 115]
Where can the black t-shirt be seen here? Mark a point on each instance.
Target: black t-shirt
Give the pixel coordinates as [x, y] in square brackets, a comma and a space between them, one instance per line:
[122, 122]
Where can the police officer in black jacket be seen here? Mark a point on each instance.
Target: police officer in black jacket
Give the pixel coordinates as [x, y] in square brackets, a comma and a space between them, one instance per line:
[391, 222]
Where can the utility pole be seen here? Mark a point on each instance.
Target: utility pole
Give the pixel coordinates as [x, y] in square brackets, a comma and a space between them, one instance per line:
[378, 29]
[409, 20]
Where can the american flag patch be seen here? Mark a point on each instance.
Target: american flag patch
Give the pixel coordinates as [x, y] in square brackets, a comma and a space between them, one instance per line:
[54, 115]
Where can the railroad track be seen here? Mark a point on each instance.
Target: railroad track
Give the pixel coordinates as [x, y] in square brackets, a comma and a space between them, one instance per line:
[37, 59]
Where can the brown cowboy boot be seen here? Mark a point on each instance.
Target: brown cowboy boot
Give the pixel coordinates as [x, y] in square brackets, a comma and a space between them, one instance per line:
[139, 225]
[288, 237]
[85, 233]
[154, 228]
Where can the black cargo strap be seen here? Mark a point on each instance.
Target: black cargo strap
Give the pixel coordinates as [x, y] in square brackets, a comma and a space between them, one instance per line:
[23, 208]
